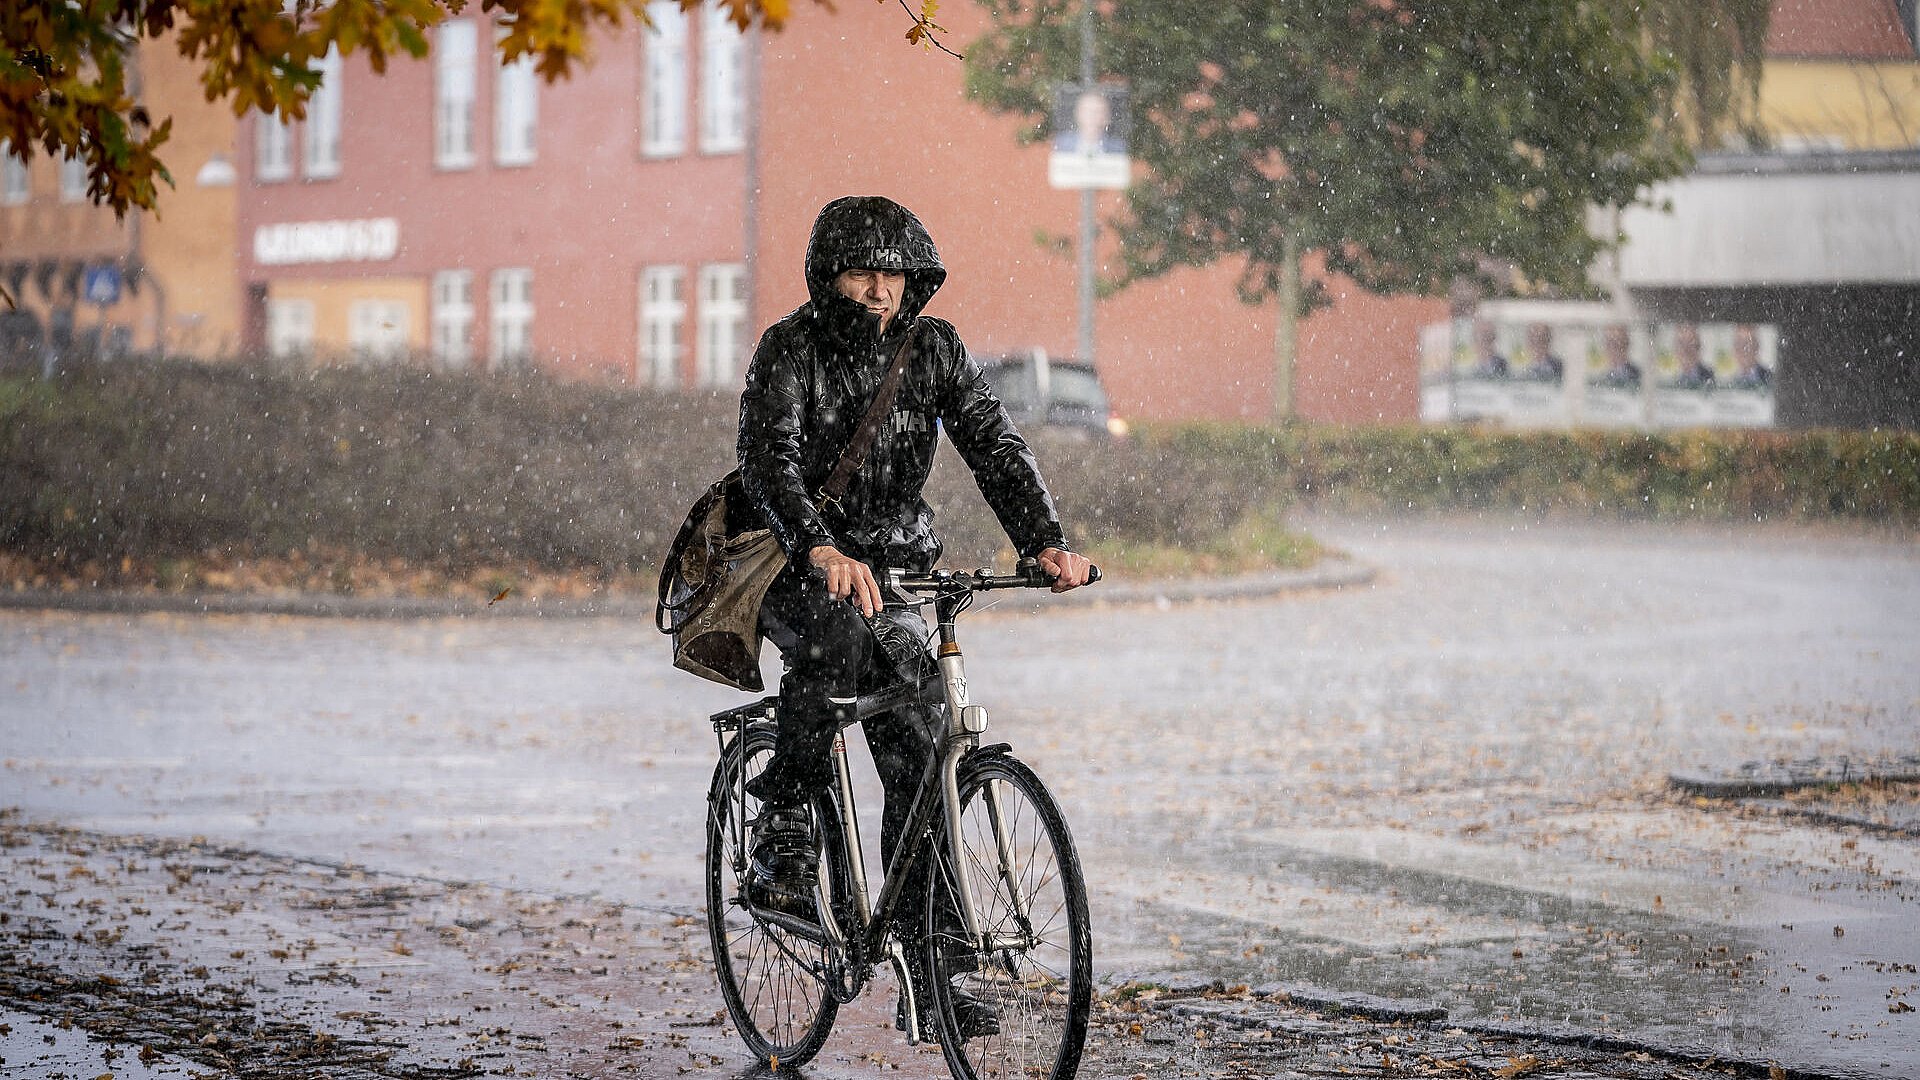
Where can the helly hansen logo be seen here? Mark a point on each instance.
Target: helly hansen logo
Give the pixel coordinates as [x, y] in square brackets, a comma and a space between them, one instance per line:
[885, 257]
[910, 421]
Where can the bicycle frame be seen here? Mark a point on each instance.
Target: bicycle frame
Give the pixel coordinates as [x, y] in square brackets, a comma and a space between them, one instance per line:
[856, 949]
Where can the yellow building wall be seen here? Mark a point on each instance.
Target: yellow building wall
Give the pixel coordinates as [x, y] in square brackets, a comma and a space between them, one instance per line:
[191, 294]
[1843, 106]
[332, 299]
[190, 245]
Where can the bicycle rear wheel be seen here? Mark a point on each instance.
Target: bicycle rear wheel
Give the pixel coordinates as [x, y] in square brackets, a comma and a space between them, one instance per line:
[1035, 966]
[770, 976]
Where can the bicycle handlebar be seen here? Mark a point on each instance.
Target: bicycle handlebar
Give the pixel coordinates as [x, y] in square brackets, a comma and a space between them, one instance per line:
[1029, 575]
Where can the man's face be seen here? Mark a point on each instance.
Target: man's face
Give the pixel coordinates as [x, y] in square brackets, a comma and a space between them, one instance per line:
[1539, 339]
[876, 290]
[1484, 334]
[1746, 347]
[1686, 342]
[1617, 343]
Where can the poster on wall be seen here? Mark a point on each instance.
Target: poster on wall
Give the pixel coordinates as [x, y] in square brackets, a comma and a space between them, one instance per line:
[1507, 372]
[1714, 375]
[1616, 376]
[1598, 373]
[1744, 397]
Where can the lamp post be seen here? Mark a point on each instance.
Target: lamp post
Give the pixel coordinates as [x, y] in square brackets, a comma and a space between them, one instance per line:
[1089, 227]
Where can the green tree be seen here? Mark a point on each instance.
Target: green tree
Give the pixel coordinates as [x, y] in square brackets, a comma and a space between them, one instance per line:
[65, 88]
[1406, 142]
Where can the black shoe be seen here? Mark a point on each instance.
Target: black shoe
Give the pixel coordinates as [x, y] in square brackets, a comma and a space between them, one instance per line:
[974, 1018]
[786, 862]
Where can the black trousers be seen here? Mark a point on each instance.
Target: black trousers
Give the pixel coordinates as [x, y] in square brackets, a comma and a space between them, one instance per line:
[831, 657]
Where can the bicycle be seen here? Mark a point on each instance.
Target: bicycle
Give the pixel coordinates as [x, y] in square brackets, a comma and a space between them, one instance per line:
[1004, 909]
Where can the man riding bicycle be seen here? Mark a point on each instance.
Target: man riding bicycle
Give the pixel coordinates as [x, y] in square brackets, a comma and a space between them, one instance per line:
[871, 267]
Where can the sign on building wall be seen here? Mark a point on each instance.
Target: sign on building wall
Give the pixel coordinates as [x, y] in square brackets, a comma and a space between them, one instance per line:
[290, 243]
[1604, 374]
[1090, 145]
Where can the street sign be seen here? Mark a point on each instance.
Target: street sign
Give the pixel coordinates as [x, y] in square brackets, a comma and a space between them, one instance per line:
[1090, 141]
[101, 284]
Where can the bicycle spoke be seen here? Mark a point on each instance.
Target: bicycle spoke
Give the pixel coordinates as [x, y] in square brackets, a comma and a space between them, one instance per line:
[769, 976]
[1029, 901]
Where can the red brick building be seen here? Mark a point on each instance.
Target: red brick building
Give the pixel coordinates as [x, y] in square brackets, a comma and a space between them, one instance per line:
[644, 220]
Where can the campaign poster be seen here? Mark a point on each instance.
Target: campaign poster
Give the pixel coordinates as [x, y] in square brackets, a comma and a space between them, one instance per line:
[1091, 125]
[1714, 375]
[1743, 396]
[1682, 379]
[1482, 370]
[1616, 376]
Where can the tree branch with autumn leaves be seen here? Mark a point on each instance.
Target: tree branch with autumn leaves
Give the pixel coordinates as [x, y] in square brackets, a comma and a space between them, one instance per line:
[66, 69]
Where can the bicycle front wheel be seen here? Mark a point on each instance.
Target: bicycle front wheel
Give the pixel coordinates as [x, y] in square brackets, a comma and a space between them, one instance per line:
[770, 976]
[1033, 963]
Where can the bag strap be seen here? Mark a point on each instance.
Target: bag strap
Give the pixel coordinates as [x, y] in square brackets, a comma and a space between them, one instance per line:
[695, 519]
[855, 455]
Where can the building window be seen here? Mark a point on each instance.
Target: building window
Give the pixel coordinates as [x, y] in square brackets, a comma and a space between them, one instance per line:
[723, 323]
[15, 183]
[73, 179]
[664, 110]
[723, 113]
[453, 318]
[663, 321]
[511, 301]
[272, 148]
[289, 328]
[455, 70]
[515, 112]
[323, 120]
[377, 329]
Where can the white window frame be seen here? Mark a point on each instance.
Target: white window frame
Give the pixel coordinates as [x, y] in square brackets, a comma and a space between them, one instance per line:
[73, 178]
[289, 328]
[272, 149]
[453, 318]
[456, 73]
[510, 315]
[516, 111]
[723, 89]
[663, 322]
[320, 149]
[663, 108]
[720, 353]
[377, 328]
[16, 180]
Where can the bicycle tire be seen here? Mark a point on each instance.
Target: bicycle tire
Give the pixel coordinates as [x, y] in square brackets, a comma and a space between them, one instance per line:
[780, 1009]
[1040, 982]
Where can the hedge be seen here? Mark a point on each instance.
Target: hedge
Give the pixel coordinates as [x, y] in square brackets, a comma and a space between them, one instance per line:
[156, 460]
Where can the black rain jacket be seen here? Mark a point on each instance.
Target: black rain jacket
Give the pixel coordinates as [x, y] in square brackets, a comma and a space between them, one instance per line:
[815, 372]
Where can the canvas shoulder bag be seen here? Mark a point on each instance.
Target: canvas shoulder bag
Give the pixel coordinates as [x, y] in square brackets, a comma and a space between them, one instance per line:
[713, 580]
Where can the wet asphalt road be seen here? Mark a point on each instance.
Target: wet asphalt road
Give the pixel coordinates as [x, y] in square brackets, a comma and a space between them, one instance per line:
[1447, 787]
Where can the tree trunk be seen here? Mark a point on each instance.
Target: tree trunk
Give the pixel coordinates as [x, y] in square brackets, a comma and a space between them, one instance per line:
[1286, 331]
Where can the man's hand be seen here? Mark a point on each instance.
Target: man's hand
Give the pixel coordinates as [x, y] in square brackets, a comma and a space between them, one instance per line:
[849, 578]
[1068, 570]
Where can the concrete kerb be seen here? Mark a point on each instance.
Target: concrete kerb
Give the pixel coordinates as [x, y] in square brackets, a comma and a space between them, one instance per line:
[1757, 779]
[1328, 574]
[1188, 999]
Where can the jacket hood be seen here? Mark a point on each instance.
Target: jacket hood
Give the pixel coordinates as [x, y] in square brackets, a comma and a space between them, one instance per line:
[869, 232]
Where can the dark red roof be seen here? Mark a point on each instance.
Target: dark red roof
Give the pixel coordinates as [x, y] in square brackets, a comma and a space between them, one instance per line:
[1838, 29]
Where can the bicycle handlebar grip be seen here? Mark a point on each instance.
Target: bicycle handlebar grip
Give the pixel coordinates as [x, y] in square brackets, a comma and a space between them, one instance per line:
[1036, 578]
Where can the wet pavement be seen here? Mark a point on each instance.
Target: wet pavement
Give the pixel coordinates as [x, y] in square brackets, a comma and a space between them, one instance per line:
[1444, 790]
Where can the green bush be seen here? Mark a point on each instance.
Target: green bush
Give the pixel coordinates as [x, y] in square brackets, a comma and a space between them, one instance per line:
[169, 461]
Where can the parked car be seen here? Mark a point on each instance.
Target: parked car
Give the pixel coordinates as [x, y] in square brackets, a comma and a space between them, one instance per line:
[1060, 393]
